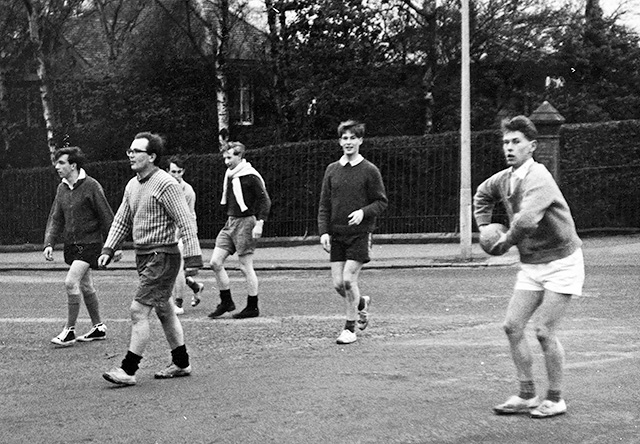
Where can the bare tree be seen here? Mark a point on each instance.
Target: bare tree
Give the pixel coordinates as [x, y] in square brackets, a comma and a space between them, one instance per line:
[118, 18]
[46, 22]
[13, 38]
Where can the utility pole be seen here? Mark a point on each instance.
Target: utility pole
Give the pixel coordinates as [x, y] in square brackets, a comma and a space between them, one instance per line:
[465, 140]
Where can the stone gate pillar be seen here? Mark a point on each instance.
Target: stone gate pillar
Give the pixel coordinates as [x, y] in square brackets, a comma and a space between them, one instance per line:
[548, 122]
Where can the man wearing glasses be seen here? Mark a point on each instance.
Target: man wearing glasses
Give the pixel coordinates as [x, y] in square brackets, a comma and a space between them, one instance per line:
[153, 208]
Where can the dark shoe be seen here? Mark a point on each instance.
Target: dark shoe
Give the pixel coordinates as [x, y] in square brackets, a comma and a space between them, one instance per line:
[222, 309]
[97, 333]
[247, 313]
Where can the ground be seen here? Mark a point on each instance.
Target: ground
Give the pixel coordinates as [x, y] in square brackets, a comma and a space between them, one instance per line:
[428, 369]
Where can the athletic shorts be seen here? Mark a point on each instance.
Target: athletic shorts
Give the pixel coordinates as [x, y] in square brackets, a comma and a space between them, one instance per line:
[237, 235]
[354, 247]
[157, 273]
[564, 276]
[88, 253]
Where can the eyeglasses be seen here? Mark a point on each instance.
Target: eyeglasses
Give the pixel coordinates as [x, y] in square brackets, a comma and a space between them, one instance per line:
[131, 151]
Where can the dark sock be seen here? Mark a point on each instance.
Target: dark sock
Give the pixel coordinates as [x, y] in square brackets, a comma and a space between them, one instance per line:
[553, 395]
[527, 389]
[130, 363]
[225, 297]
[252, 301]
[351, 326]
[361, 304]
[193, 285]
[180, 357]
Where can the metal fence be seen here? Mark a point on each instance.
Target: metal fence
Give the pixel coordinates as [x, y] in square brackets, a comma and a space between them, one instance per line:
[421, 175]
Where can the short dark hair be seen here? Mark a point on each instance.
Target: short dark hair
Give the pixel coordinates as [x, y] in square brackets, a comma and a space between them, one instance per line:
[354, 126]
[155, 146]
[75, 155]
[238, 148]
[522, 124]
[177, 160]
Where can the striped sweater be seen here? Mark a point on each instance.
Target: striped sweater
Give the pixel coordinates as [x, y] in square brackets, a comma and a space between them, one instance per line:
[152, 209]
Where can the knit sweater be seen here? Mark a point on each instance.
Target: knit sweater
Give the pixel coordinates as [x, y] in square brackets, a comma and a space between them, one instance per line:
[541, 225]
[81, 214]
[152, 209]
[346, 189]
[255, 197]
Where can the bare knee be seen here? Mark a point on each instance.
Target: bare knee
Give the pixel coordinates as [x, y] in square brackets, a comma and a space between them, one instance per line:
[216, 265]
[513, 329]
[544, 335]
[72, 286]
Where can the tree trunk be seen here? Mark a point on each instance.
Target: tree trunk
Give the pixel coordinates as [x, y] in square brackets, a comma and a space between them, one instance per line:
[46, 95]
[4, 117]
[277, 60]
[216, 44]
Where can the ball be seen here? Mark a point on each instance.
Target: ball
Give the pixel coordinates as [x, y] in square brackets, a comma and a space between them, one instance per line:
[489, 236]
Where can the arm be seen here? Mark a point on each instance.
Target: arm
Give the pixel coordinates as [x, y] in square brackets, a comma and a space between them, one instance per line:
[263, 206]
[376, 195]
[55, 224]
[175, 203]
[120, 228]
[324, 212]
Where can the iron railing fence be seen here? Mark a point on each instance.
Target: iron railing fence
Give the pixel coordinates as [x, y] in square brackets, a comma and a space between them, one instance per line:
[421, 175]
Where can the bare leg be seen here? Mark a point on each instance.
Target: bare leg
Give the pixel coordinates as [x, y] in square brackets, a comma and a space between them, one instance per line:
[549, 315]
[140, 327]
[246, 266]
[171, 325]
[76, 273]
[521, 307]
[217, 265]
[352, 291]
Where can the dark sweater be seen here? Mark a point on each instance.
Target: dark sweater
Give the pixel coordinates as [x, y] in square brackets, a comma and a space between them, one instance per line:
[82, 215]
[346, 189]
[255, 198]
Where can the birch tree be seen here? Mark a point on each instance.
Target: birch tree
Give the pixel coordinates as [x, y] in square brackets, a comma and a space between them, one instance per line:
[46, 21]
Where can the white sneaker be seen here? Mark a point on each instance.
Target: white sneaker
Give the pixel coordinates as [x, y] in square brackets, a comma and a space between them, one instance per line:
[119, 376]
[179, 311]
[549, 408]
[346, 337]
[66, 338]
[195, 299]
[516, 404]
[363, 315]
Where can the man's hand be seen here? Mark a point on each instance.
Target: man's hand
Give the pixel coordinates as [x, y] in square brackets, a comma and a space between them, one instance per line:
[117, 255]
[104, 260]
[257, 229]
[325, 241]
[501, 246]
[356, 217]
[48, 253]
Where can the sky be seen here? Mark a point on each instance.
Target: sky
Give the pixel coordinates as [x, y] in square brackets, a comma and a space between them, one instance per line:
[631, 18]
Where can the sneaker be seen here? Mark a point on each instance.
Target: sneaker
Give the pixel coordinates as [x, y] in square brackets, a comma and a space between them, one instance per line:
[65, 339]
[195, 300]
[97, 333]
[119, 376]
[179, 310]
[516, 404]
[363, 315]
[173, 371]
[222, 309]
[549, 408]
[247, 313]
[346, 337]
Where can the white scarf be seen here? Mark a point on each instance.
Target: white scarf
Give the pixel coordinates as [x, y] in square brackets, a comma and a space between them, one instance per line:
[244, 168]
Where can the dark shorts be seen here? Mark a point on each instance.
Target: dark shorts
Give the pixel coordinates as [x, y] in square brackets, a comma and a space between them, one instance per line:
[157, 273]
[88, 253]
[237, 235]
[354, 247]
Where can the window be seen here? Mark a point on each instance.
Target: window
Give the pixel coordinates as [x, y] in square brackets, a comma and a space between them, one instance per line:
[245, 108]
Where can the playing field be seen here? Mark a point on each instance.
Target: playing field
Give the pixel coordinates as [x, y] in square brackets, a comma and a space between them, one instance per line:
[428, 369]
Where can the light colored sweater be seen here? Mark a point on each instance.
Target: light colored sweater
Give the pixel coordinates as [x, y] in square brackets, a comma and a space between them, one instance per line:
[541, 225]
[152, 209]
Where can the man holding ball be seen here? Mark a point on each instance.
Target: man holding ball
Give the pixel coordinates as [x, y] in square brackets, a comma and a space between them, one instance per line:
[552, 265]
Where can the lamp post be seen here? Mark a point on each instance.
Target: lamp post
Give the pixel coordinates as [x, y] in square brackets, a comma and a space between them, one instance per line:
[465, 139]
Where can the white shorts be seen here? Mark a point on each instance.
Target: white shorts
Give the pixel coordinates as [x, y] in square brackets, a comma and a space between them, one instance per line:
[564, 276]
